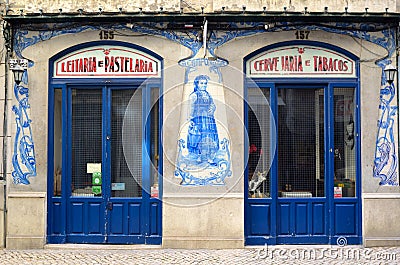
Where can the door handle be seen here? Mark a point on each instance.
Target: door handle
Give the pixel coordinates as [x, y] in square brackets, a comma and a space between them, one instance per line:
[109, 206]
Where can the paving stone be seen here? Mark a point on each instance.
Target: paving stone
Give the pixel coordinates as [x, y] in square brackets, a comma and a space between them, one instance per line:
[260, 255]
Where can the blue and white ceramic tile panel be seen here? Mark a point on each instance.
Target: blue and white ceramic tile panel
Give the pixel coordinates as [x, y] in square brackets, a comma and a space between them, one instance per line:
[385, 164]
[203, 146]
[23, 159]
[386, 159]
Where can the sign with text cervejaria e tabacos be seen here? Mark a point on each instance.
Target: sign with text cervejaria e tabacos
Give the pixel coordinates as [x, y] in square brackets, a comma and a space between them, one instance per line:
[300, 61]
[107, 61]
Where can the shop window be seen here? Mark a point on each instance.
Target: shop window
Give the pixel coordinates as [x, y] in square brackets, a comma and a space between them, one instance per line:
[259, 161]
[344, 142]
[155, 135]
[57, 142]
[301, 142]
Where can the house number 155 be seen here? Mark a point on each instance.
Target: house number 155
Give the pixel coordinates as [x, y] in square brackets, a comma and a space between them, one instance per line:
[106, 34]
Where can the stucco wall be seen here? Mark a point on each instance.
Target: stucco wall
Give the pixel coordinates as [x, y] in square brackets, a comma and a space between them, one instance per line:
[205, 210]
[71, 6]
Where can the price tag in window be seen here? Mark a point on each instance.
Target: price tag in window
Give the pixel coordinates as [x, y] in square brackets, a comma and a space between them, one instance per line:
[337, 192]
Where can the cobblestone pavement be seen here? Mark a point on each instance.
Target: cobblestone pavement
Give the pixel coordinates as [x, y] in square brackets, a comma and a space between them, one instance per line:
[85, 255]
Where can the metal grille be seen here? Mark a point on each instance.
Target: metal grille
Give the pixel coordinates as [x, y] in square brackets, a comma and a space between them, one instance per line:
[300, 143]
[259, 113]
[126, 156]
[86, 138]
[344, 142]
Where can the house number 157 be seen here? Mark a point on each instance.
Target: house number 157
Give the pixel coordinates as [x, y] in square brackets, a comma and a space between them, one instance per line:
[302, 34]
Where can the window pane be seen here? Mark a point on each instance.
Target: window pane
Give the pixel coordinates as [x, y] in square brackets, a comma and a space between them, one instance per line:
[57, 142]
[259, 161]
[126, 161]
[86, 141]
[301, 142]
[155, 134]
[344, 143]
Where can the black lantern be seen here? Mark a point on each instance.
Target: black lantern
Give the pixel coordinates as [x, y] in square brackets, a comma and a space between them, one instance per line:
[18, 66]
[390, 71]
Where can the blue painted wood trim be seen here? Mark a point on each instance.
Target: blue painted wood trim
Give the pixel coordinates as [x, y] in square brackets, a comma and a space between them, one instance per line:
[245, 162]
[274, 153]
[106, 155]
[64, 176]
[329, 156]
[146, 162]
[50, 160]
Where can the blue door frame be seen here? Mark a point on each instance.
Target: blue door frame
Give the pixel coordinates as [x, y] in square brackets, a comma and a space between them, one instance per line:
[317, 220]
[103, 219]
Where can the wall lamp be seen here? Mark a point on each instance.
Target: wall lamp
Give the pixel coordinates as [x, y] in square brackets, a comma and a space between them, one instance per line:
[18, 67]
[390, 72]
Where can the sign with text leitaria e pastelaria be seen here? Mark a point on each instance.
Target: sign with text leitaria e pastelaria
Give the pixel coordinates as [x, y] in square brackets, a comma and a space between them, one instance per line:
[107, 61]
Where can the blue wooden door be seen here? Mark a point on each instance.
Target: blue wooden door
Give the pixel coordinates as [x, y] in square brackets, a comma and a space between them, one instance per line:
[303, 176]
[110, 168]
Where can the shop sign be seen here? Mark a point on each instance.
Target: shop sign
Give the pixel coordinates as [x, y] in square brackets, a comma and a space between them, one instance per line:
[107, 61]
[301, 61]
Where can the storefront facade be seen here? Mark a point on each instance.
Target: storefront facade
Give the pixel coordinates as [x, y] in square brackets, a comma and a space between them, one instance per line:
[219, 129]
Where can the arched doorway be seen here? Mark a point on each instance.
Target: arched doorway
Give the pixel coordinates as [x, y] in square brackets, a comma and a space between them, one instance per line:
[104, 134]
[303, 172]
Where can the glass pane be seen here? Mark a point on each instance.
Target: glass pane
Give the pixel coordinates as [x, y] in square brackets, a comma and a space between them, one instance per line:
[57, 142]
[301, 143]
[259, 161]
[86, 142]
[344, 143]
[155, 134]
[126, 161]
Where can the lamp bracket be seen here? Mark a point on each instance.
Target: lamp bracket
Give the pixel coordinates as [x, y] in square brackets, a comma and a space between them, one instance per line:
[18, 64]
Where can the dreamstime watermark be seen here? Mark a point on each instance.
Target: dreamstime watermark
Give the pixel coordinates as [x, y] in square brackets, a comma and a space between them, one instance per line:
[329, 253]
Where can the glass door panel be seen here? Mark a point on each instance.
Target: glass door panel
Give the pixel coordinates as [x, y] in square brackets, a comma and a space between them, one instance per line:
[344, 143]
[86, 141]
[57, 140]
[301, 143]
[126, 151]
